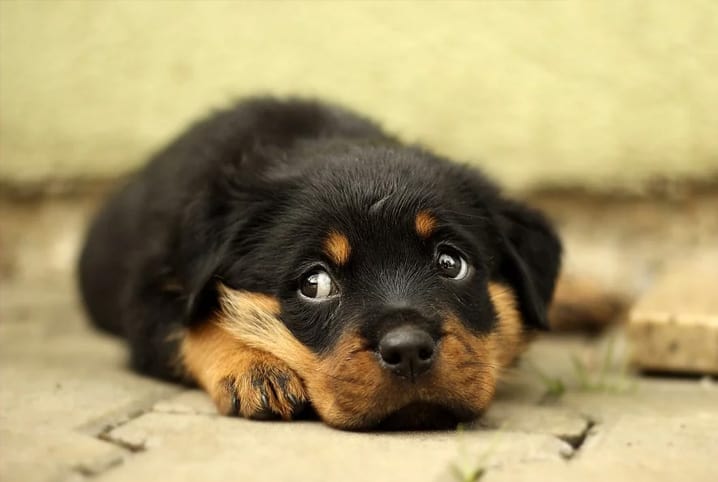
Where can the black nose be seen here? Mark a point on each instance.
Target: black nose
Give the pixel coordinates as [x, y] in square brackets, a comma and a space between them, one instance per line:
[407, 351]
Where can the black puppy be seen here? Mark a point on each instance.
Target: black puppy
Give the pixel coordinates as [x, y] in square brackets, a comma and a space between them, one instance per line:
[285, 252]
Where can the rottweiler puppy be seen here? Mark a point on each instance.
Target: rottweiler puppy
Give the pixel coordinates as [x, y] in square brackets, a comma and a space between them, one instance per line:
[285, 253]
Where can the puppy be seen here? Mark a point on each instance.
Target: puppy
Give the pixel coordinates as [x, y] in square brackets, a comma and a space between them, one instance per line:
[288, 252]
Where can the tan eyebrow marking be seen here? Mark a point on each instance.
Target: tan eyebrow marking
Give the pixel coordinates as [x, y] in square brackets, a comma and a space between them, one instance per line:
[337, 247]
[425, 224]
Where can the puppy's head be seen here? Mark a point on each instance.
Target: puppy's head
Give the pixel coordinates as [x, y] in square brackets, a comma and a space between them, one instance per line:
[396, 284]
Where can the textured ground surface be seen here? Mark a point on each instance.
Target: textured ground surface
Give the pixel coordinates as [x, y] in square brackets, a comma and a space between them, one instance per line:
[70, 410]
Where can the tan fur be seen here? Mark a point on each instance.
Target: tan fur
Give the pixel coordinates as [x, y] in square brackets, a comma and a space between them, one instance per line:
[509, 339]
[425, 224]
[348, 387]
[227, 367]
[254, 319]
[337, 247]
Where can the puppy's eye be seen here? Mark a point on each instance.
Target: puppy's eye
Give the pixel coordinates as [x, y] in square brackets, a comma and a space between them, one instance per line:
[317, 285]
[452, 265]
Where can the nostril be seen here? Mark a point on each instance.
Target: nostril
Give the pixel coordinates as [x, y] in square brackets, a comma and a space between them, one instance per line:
[425, 353]
[391, 357]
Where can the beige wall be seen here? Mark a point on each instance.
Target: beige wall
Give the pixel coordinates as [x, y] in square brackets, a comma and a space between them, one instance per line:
[561, 92]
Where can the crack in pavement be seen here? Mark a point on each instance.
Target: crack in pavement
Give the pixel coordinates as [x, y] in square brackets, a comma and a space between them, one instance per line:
[101, 430]
[129, 446]
[98, 466]
[577, 441]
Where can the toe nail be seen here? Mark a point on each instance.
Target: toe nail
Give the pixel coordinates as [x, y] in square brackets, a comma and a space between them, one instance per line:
[235, 404]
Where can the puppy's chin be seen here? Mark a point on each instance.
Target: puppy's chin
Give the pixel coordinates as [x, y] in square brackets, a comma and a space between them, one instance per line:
[425, 416]
[417, 416]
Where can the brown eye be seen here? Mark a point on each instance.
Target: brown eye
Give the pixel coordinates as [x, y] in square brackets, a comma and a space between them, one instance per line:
[317, 285]
[452, 265]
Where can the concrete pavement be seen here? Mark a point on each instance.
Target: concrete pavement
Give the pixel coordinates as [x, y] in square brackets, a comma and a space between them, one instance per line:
[72, 411]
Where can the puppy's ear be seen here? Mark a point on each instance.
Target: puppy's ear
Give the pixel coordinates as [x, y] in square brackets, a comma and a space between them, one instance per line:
[530, 259]
[204, 244]
[201, 296]
[209, 244]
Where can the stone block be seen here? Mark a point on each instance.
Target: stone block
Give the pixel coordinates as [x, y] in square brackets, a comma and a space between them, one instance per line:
[674, 327]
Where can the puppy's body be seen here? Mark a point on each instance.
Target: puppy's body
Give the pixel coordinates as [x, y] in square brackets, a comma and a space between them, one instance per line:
[285, 252]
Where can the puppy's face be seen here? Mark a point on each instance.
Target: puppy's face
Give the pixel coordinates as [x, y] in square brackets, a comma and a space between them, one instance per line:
[397, 293]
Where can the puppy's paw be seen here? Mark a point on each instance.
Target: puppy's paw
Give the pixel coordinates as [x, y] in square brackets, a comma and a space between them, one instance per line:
[261, 387]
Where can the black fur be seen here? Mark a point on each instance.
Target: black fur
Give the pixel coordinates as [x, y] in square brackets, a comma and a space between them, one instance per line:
[248, 195]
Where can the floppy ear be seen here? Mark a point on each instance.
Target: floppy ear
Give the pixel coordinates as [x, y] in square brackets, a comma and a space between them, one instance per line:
[210, 248]
[209, 242]
[206, 234]
[203, 245]
[530, 259]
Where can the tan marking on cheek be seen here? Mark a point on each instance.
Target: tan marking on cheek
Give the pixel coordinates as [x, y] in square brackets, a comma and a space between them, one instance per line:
[425, 224]
[508, 338]
[337, 247]
[470, 364]
[466, 370]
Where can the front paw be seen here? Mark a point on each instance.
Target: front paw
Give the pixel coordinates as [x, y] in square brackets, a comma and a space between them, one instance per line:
[261, 387]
